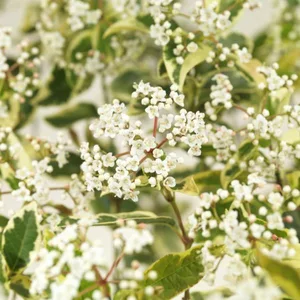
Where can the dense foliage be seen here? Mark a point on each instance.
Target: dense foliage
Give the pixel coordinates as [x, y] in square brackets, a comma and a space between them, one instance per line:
[190, 109]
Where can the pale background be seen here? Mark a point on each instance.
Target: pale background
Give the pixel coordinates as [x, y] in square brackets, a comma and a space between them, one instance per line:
[250, 23]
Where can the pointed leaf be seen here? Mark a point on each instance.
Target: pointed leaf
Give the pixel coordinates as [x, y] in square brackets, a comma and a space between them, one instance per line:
[138, 216]
[177, 73]
[176, 272]
[71, 114]
[125, 25]
[20, 237]
[282, 274]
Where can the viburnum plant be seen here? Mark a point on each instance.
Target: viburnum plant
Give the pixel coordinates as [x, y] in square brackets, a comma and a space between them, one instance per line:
[190, 160]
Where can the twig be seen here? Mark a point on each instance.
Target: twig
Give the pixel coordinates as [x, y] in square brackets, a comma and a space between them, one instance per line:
[186, 240]
[102, 282]
[87, 290]
[155, 126]
[241, 109]
[114, 266]
[122, 154]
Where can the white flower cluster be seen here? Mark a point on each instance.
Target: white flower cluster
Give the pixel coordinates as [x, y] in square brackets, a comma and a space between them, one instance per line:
[222, 141]
[236, 232]
[123, 181]
[274, 82]
[59, 149]
[184, 45]
[241, 232]
[161, 31]
[220, 96]
[87, 63]
[132, 237]
[23, 75]
[5, 42]
[144, 152]
[221, 92]
[265, 128]
[53, 42]
[209, 262]
[187, 127]
[32, 185]
[259, 287]
[64, 257]
[133, 276]
[156, 99]
[3, 65]
[222, 53]
[80, 15]
[126, 8]
[203, 220]
[237, 270]
[26, 81]
[209, 21]
[293, 113]
[5, 149]
[5, 38]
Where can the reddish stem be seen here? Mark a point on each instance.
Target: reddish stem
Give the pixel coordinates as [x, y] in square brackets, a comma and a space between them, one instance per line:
[155, 126]
[157, 147]
[162, 143]
[114, 266]
[122, 154]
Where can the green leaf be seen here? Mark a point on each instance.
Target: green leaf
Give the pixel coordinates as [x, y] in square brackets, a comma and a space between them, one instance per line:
[3, 221]
[125, 25]
[275, 104]
[293, 179]
[282, 274]
[296, 219]
[32, 16]
[234, 6]
[237, 38]
[231, 171]
[204, 295]
[176, 272]
[13, 112]
[138, 216]
[294, 262]
[80, 42]
[3, 276]
[166, 242]
[124, 294]
[71, 167]
[250, 70]
[56, 91]
[291, 136]
[187, 186]
[71, 114]
[177, 73]
[122, 85]
[21, 285]
[207, 181]
[20, 237]
[22, 160]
